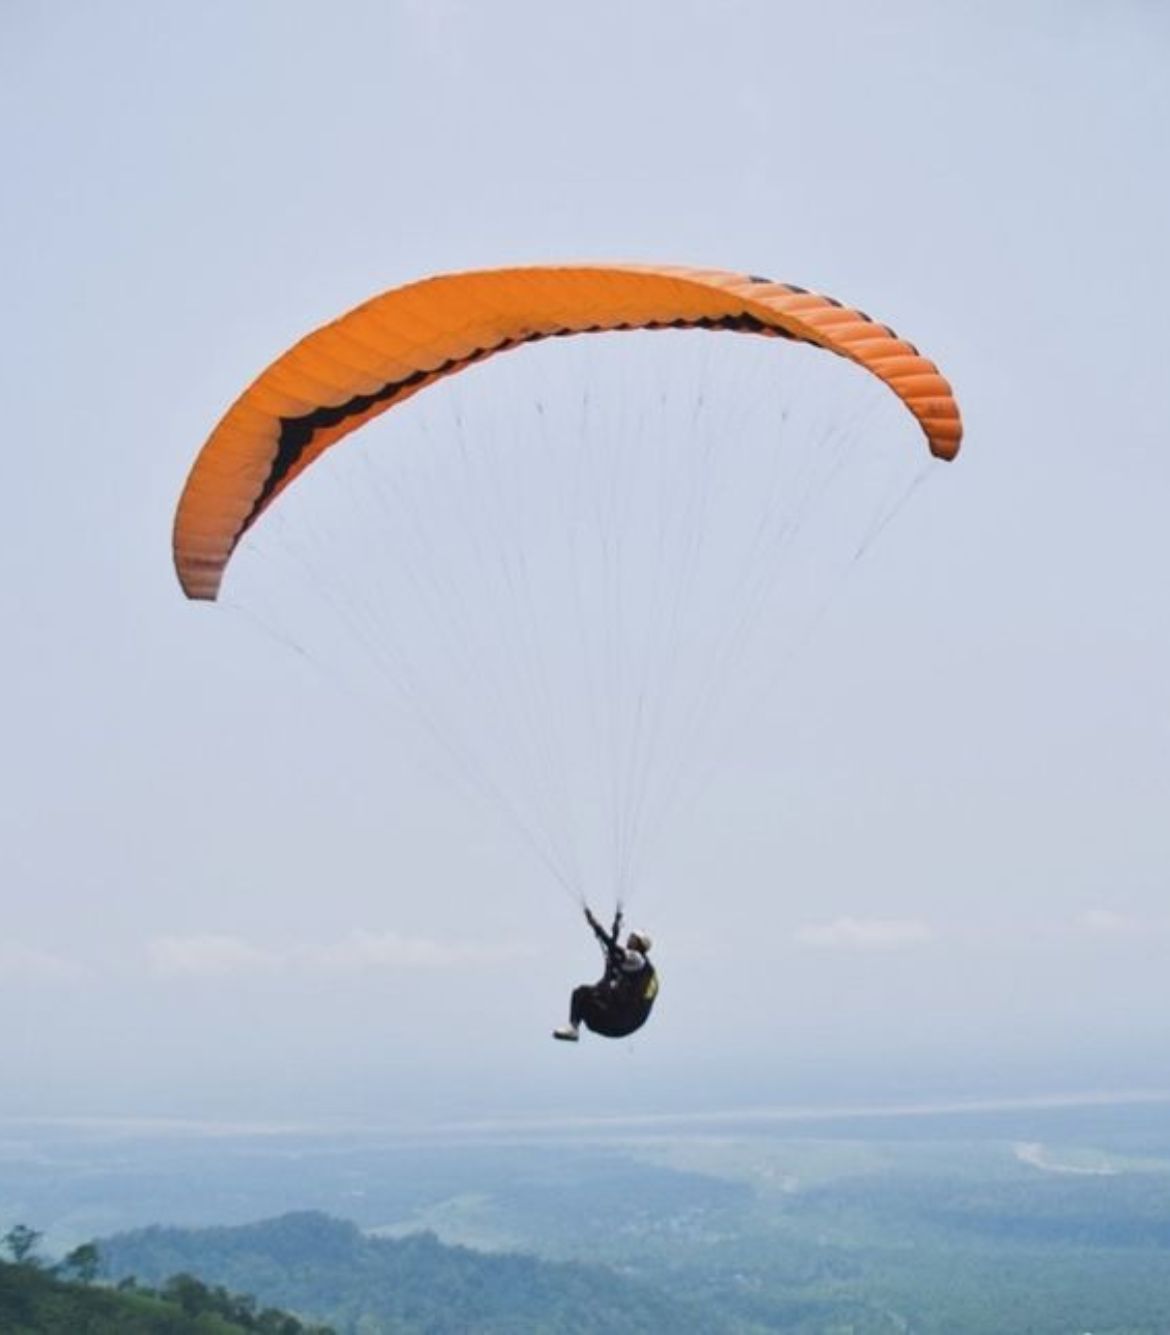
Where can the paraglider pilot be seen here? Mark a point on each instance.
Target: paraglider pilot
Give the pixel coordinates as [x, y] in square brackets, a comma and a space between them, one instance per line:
[622, 1000]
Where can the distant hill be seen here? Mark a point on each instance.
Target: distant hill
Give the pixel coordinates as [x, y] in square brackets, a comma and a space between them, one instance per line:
[361, 1285]
[34, 1301]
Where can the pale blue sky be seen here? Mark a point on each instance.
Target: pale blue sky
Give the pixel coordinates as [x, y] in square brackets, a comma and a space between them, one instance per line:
[952, 870]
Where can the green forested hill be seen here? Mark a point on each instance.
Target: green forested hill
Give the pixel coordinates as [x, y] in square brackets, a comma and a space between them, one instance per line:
[33, 1301]
[409, 1286]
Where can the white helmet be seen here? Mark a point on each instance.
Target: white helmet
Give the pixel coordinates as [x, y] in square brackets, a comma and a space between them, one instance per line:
[638, 941]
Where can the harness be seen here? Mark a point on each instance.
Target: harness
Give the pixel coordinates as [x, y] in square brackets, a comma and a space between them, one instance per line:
[630, 990]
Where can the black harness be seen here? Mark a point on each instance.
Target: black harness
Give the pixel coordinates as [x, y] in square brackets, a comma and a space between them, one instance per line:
[628, 995]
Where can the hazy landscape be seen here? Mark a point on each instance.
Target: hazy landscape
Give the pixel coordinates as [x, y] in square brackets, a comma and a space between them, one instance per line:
[1045, 1218]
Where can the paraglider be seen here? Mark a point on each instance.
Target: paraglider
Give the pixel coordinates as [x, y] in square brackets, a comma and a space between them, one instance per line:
[621, 1002]
[384, 352]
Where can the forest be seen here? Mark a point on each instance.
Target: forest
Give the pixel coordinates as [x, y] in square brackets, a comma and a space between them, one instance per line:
[65, 1299]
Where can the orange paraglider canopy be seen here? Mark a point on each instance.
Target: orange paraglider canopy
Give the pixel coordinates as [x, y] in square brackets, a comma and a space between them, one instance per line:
[387, 349]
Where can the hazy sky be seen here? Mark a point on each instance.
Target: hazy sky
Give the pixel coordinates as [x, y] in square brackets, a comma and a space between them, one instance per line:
[223, 892]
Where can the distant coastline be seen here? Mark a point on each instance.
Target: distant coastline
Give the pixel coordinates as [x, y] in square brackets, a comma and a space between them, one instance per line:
[506, 1127]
